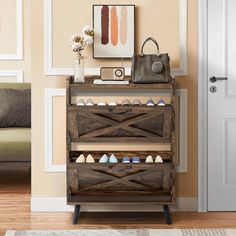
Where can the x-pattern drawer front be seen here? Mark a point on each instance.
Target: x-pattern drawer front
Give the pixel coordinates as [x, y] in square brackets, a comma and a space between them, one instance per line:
[122, 178]
[136, 124]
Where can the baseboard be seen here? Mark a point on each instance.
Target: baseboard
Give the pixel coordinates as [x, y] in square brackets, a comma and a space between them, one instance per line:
[10, 233]
[47, 204]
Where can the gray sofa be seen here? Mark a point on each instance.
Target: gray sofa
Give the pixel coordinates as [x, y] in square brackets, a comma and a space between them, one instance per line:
[15, 124]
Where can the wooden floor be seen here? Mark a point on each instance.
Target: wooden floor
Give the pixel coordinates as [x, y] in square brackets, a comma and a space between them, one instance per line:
[15, 213]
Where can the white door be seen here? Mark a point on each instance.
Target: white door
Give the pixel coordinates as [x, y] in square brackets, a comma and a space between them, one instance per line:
[222, 105]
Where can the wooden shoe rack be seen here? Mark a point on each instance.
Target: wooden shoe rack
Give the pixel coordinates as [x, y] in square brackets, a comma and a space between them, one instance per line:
[149, 183]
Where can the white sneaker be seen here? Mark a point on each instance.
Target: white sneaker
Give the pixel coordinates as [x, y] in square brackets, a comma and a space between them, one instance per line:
[136, 102]
[158, 159]
[126, 102]
[90, 159]
[104, 159]
[80, 159]
[89, 102]
[149, 159]
[81, 102]
[113, 159]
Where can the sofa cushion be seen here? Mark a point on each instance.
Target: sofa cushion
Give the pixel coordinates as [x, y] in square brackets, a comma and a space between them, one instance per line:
[15, 144]
[15, 85]
[15, 107]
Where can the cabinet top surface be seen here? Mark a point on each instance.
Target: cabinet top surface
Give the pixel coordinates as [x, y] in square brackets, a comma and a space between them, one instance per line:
[90, 85]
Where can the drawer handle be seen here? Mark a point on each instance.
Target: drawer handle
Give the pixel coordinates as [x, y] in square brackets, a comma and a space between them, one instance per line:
[127, 167]
[121, 112]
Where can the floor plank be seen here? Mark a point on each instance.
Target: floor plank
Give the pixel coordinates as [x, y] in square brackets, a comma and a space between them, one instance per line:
[15, 213]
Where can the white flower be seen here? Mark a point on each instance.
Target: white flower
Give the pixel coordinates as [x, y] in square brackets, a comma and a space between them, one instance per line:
[75, 38]
[88, 39]
[77, 47]
[78, 42]
[88, 30]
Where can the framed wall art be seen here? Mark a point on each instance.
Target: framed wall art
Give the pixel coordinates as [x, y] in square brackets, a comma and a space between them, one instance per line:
[113, 31]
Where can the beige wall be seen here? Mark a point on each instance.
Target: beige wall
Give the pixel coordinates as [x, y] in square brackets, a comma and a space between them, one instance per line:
[8, 26]
[8, 40]
[75, 19]
[69, 17]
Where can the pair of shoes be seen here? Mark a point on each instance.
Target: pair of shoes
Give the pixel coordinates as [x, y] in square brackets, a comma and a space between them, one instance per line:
[158, 159]
[135, 102]
[82, 159]
[135, 159]
[106, 159]
[159, 103]
[90, 102]
[81, 102]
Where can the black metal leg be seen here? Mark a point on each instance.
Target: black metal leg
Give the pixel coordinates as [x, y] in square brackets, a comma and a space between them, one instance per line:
[167, 214]
[76, 214]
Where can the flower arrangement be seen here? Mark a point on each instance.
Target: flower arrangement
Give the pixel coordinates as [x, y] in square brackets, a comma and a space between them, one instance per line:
[79, 42]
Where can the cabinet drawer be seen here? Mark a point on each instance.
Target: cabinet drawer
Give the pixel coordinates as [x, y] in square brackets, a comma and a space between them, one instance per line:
[142, 178]
[120, 123]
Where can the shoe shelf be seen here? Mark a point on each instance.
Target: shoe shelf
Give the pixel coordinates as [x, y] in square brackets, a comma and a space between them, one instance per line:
[125, 183]
[119, 107]
[166, 156]
[121, 181]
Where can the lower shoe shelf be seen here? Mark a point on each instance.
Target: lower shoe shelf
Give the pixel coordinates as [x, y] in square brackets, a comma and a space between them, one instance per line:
[121, 182]
[95, 182]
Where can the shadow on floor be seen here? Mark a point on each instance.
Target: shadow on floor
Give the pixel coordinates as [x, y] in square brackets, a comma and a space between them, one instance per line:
[15, 179]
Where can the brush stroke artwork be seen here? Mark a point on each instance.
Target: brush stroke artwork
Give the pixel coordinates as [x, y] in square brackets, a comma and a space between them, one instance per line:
[114, 26]
[114, 31]
[105, 25]
[123, 25]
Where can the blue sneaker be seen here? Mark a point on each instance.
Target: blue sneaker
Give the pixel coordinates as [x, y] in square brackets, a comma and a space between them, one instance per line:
[126, 160]
[150, 102]
[104, 159]
[135, 160]
[113, 159]
[161, 103]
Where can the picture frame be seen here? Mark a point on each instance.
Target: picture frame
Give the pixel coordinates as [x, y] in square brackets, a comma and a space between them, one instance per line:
[114, 31]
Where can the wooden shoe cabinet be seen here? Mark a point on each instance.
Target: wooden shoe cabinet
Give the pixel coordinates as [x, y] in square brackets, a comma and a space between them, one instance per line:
[149, 183]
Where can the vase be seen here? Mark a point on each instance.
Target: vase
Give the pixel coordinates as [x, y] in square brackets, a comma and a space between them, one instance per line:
[79, 69]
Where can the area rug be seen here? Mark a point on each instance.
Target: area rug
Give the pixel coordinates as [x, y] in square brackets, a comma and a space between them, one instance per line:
[125, 232]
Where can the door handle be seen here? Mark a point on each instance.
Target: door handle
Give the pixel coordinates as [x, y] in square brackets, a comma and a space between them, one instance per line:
[213, 79]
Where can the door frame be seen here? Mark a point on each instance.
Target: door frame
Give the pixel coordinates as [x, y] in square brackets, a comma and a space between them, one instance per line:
[202, 105]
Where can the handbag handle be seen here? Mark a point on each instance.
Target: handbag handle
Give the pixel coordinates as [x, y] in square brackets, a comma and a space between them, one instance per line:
[154, 41]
